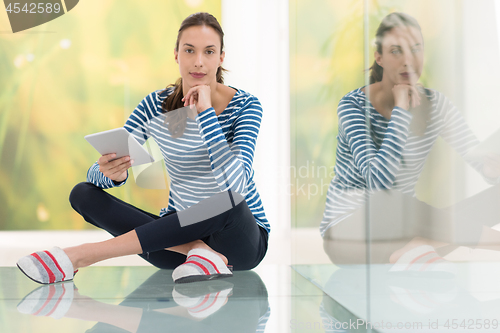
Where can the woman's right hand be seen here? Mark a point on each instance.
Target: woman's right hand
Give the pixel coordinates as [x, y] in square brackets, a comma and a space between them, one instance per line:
[405, 95]
[115, 170]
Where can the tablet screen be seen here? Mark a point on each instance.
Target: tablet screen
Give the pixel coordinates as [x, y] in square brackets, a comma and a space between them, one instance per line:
[121, 142]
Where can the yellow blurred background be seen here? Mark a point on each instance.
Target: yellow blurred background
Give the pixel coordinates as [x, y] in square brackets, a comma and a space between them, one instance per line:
[81, 73]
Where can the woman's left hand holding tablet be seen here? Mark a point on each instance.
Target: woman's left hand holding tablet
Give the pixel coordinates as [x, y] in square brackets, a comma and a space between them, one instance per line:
[114, 169]
[200, 96]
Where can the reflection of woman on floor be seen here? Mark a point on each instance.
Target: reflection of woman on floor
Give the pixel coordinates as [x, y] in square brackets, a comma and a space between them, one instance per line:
[209, 160]
[239, 304]
[405, 121]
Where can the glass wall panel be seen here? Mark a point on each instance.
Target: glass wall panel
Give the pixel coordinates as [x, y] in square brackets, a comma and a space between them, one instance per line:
[410, 223]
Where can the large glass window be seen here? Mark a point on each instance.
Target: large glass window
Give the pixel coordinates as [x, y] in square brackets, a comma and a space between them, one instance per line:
[409, 218]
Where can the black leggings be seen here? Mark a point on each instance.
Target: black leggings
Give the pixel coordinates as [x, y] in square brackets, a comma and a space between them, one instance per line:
[234, 232]
[389, 210]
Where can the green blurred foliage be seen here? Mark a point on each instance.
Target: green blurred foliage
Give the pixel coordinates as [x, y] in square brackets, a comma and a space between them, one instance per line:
[327, 61]
[52, 96]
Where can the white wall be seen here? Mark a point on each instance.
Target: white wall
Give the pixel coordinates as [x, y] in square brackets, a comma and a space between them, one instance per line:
[256, 45]
[481, 56]
[256, 41]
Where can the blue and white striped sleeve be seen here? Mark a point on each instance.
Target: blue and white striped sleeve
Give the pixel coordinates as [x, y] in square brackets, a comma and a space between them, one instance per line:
[232, 163]
[137, 125]
[138, 122]
[458, 134]
[378, 167]
[97, 178]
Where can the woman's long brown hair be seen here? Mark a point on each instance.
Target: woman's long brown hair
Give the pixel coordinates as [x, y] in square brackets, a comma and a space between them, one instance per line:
[177, 122]
[389, 22]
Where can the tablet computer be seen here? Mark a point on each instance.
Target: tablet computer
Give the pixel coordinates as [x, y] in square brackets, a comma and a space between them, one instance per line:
[121, 142]
[490, 145]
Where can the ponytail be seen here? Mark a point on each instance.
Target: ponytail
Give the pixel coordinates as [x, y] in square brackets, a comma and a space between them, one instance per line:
[176, 121]
[376, 72]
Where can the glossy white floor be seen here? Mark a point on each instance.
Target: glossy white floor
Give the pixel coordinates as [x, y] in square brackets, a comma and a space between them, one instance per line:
[295, 289]
[127, 295]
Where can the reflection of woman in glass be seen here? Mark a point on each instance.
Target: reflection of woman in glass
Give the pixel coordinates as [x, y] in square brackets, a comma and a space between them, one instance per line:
[215, 215]
[405, 120]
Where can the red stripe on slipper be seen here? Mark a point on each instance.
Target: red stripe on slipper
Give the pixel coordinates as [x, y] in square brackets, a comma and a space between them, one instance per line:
[199, 265]
[211, 263]
[56, 263]
[215, 300]
[204, 309]
[417, 258]
[58, 301]
[52, 277]
[205, 299]
[52, 292]
[430, 261]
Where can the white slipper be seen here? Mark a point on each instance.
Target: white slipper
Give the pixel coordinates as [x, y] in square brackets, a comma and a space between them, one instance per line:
[422, 301]
[47, 267]
[49, 301]
[423, 259]
[201, 265]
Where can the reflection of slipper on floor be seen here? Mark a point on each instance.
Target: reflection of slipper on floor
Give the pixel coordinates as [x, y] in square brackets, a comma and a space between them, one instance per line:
[422, 290]
[422, 301]
[202, 299]
[427, 283]
[424, 259]
[50, 301]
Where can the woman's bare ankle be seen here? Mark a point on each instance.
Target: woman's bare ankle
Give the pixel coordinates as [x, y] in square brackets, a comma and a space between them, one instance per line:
[74, 254]
[197, 244]
[202, 245]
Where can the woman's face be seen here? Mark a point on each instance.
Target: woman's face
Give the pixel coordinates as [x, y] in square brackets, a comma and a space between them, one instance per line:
[402, 55]
[199, 55]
